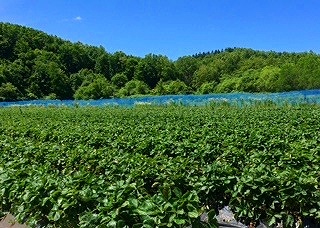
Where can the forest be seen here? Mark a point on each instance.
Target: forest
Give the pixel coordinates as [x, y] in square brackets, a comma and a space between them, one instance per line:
[35, 65]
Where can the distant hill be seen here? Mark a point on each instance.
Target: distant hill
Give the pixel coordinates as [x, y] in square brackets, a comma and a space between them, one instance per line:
[35, 65]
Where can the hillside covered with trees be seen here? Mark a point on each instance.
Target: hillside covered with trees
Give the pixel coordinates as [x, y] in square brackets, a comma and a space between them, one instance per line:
[35, 65]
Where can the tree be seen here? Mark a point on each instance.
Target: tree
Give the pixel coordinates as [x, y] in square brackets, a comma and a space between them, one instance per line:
[148, 71]
[268, 79]
[8, 38]
[228, 85]
[207, 88]
[3, 78]
[207, 73]
[119, 80]
[39, 65]
[21, 46]
[6, 48]
[83, 77]
[186, 67]
[102, 65]
[117, 63]
[133, 87]
[98, 89]
[17, 74]
[74, 57]
[308, 68]
[153, 68]
[48, 78]
[171, 87]
[130, 67]
[8, 92]
[247, 81]
[176, 87]
[287, 78]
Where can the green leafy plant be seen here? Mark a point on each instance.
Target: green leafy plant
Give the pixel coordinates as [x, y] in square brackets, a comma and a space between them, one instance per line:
[155, 166]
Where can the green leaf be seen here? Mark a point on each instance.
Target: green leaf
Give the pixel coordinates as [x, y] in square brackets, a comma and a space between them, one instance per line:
[147, 226]
[166, 191]
[313, 210]
[190, 207]
[134, 202]
[126, 203]
[193, 214]
[121, 223]
[179, 221]
[278, 216]
[142, 212]
[167, 205]
[59, 202]
[272, 221]
[172, 217]
[20, 208]
[177, 192]
[148, 221]
[112, 223]
[289, 221]
[180, 212]
[57, 215]
[212, 216]
[147, 206]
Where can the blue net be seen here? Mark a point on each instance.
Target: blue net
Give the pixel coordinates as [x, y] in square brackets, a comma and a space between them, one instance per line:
[294, 97]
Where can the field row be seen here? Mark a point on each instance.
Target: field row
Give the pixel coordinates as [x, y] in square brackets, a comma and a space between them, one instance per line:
[159, 166]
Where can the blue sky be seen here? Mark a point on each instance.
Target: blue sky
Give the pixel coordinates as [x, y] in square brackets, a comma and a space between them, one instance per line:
[174, 28]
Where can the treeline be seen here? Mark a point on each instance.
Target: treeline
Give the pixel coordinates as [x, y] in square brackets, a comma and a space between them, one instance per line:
[34, 65]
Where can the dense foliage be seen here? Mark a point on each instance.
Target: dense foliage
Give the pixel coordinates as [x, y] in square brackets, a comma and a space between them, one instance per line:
[159, 166]
[34, 65]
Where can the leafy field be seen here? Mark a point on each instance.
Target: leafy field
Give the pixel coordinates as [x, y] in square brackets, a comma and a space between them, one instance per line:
[159, 166]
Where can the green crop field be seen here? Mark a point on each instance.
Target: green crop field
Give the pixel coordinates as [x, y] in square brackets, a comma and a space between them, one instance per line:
[159, 166]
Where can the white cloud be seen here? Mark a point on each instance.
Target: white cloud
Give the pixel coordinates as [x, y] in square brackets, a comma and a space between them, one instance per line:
[75, 19]
[78, 18]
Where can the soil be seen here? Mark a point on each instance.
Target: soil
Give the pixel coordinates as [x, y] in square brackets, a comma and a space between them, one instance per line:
[9, 222]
